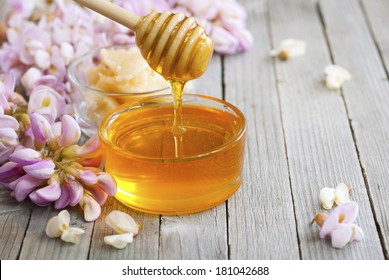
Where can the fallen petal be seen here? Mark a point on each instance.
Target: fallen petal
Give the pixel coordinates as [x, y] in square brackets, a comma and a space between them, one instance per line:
[350, 212]
[342, 194]
[122, 222]
[290, 48]
[57, 224]
[333, 83]
[71, 234]
[343, 214]
[336, 76]
[341, 236]
[331, 222]
[119, 241]
[337, 71]
[327, 197]
[358, 234]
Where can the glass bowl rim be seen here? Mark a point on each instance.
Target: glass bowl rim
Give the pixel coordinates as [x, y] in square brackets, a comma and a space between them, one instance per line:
[102, 129]
[74, 79]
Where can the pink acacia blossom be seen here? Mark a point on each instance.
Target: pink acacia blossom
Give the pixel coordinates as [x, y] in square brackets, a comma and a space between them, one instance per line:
[339, 225]
[12, 117]
[23, 7]
[55, 171]
[61, 31]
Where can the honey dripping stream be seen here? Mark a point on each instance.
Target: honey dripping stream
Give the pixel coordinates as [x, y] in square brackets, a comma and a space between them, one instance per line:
[178, 128]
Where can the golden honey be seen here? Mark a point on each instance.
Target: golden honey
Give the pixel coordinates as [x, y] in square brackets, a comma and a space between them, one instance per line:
[156, 173]
[172, 159]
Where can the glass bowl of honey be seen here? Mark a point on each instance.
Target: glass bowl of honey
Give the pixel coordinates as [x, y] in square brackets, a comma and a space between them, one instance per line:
[161, 172]
[106, 77]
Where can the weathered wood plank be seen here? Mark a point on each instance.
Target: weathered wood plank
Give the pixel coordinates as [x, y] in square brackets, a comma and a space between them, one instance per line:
[377, 12]
[210, 83]
[367, 94]
[8, 203]
[197, 236]
[144, 246]
[37, 245]
[203, 235]
[261, 213]
[321, 151]
[12, 229]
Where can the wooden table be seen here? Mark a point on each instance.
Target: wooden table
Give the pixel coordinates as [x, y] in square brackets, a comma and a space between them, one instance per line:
[301, 137]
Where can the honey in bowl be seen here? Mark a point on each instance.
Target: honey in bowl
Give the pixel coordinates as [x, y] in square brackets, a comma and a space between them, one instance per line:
[140, 151]
[165, 162]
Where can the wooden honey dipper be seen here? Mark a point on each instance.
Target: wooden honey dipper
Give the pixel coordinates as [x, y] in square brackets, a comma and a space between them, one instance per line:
[174, 45]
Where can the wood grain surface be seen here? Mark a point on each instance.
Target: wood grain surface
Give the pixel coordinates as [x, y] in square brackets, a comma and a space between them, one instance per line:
[301, 137]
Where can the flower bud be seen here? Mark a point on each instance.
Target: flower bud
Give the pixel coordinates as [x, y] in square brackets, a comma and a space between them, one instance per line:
[41, 129]
[70, 131]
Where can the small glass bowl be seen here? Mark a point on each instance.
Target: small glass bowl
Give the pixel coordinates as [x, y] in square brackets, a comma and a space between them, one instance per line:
[159, 172]
[91, 104]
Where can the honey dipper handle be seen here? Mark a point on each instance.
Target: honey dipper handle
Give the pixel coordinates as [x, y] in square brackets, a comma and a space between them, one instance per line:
[111, 11]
